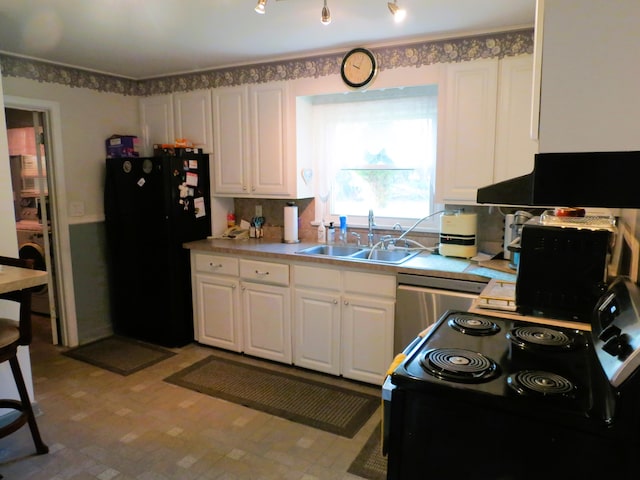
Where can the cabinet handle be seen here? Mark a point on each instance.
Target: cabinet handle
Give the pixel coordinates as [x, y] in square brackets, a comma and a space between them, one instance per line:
[335, 302]
[346, 302]
[260, 274]
[217, 265]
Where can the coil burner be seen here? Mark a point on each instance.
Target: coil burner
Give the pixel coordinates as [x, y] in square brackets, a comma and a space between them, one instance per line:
[459, 365]
[537, 337]
[472, 325]
[535, 382]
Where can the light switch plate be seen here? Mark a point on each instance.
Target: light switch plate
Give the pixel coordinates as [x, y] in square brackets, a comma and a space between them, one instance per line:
[76, 209]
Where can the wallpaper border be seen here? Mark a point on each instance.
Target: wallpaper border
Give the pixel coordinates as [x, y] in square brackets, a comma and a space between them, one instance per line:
[494, 45]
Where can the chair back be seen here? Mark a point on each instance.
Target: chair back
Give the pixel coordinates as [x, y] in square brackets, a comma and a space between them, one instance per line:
[23, 297]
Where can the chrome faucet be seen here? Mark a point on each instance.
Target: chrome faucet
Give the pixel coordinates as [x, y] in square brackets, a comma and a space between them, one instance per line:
[357, 236]
[372, 222]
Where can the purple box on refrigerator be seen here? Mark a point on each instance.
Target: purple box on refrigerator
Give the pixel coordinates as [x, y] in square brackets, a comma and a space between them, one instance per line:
[122, 146]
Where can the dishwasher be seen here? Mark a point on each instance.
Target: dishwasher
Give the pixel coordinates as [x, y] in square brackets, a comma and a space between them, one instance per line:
[422, 300]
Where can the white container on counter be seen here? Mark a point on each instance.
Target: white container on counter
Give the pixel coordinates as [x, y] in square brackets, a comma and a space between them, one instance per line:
[458, 234]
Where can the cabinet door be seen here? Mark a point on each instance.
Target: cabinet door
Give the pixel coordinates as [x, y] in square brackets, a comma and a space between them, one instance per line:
[230, 141]
[316, 342]
[156, 119]
[218, 312]
[269, 139]
[267, 321]
[192, 112]
[367, 338]
[589, 85]
[469, 130]
[515, 150]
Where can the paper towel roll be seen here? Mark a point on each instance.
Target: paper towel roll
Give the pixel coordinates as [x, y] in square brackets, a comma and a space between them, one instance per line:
[291, 224]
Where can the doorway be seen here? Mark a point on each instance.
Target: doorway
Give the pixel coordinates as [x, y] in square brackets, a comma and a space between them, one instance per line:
[30, 162]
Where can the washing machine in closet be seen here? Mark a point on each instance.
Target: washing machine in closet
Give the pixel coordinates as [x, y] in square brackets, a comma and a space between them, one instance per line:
[31, 245]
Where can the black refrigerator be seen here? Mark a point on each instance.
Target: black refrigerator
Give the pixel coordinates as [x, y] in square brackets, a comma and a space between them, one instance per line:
[152, 206]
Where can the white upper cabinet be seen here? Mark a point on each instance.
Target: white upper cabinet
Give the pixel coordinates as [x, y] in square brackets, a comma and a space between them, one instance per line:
[254, 143]
[469, 130]
[231, 150]
[269, 129]
[192, 112]
[589, 78]
[186, 115]
[156, 120]
[487, 126]
[515, 149]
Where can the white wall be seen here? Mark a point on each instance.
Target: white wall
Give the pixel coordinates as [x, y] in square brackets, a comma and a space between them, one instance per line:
[84, 120]
[88, 118]
[8, 243]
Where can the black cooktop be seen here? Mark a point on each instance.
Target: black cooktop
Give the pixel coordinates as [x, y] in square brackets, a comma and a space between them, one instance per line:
[513, 364]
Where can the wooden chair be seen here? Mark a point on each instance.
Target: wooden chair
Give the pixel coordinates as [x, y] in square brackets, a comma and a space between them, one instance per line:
[12, 335]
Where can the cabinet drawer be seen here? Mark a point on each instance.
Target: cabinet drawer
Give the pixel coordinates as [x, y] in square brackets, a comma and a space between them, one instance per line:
[265, 272]
[325, 278]
[368, 283]
[216, 264]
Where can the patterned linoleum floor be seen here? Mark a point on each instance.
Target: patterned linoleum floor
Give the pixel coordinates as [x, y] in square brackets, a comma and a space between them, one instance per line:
[102, 425]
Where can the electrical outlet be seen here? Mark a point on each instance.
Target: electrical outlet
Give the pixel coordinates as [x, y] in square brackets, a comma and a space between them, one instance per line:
[258, 210]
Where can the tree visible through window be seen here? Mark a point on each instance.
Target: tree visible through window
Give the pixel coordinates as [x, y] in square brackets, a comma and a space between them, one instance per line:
[377, 150]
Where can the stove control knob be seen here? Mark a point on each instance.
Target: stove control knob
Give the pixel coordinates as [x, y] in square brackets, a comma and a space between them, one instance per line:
[609, 333]
[618, 346]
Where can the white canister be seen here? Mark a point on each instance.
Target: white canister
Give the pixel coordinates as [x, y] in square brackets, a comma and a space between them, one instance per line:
[458, 234]
[291, 223]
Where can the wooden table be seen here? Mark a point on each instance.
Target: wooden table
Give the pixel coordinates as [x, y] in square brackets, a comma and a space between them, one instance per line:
[17, 278]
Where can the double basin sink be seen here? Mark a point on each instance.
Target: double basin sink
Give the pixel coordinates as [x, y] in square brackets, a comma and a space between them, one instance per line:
[353, 252]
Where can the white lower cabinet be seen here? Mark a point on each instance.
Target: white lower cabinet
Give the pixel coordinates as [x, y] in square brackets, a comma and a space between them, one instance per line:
[367, 338]
[367, 325]
[216, 301]
[317, 316]
[329, 320]
[267, 321]
[339, 327]
[266, 309]
[242, 305]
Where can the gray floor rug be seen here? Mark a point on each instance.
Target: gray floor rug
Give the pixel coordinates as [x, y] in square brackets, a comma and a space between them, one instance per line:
[120, 354]
[370, 463]
[333, 409]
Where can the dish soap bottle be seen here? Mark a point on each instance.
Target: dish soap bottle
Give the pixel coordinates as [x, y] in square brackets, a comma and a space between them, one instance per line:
[343, 229]
[331, 233]
[322, 233]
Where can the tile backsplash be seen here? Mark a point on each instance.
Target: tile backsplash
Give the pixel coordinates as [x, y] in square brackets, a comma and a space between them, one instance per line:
[490, 222]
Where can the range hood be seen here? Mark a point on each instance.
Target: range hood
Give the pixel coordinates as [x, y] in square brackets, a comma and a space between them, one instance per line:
[589, 179]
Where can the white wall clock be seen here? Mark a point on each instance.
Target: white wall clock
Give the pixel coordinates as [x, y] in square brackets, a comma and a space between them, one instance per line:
[359, 68]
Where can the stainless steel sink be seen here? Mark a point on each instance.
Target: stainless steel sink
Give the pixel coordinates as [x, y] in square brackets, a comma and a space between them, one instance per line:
[360, 253]
[332, 250]
[386, 256]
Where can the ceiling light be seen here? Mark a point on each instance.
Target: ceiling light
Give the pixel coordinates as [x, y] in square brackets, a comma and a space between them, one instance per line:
[260, 7]
[326, 14]
[397, 12]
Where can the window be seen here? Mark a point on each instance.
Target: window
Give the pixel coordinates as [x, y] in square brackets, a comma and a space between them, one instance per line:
[376, 150]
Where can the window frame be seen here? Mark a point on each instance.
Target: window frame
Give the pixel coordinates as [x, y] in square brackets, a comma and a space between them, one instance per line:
[384, 222]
